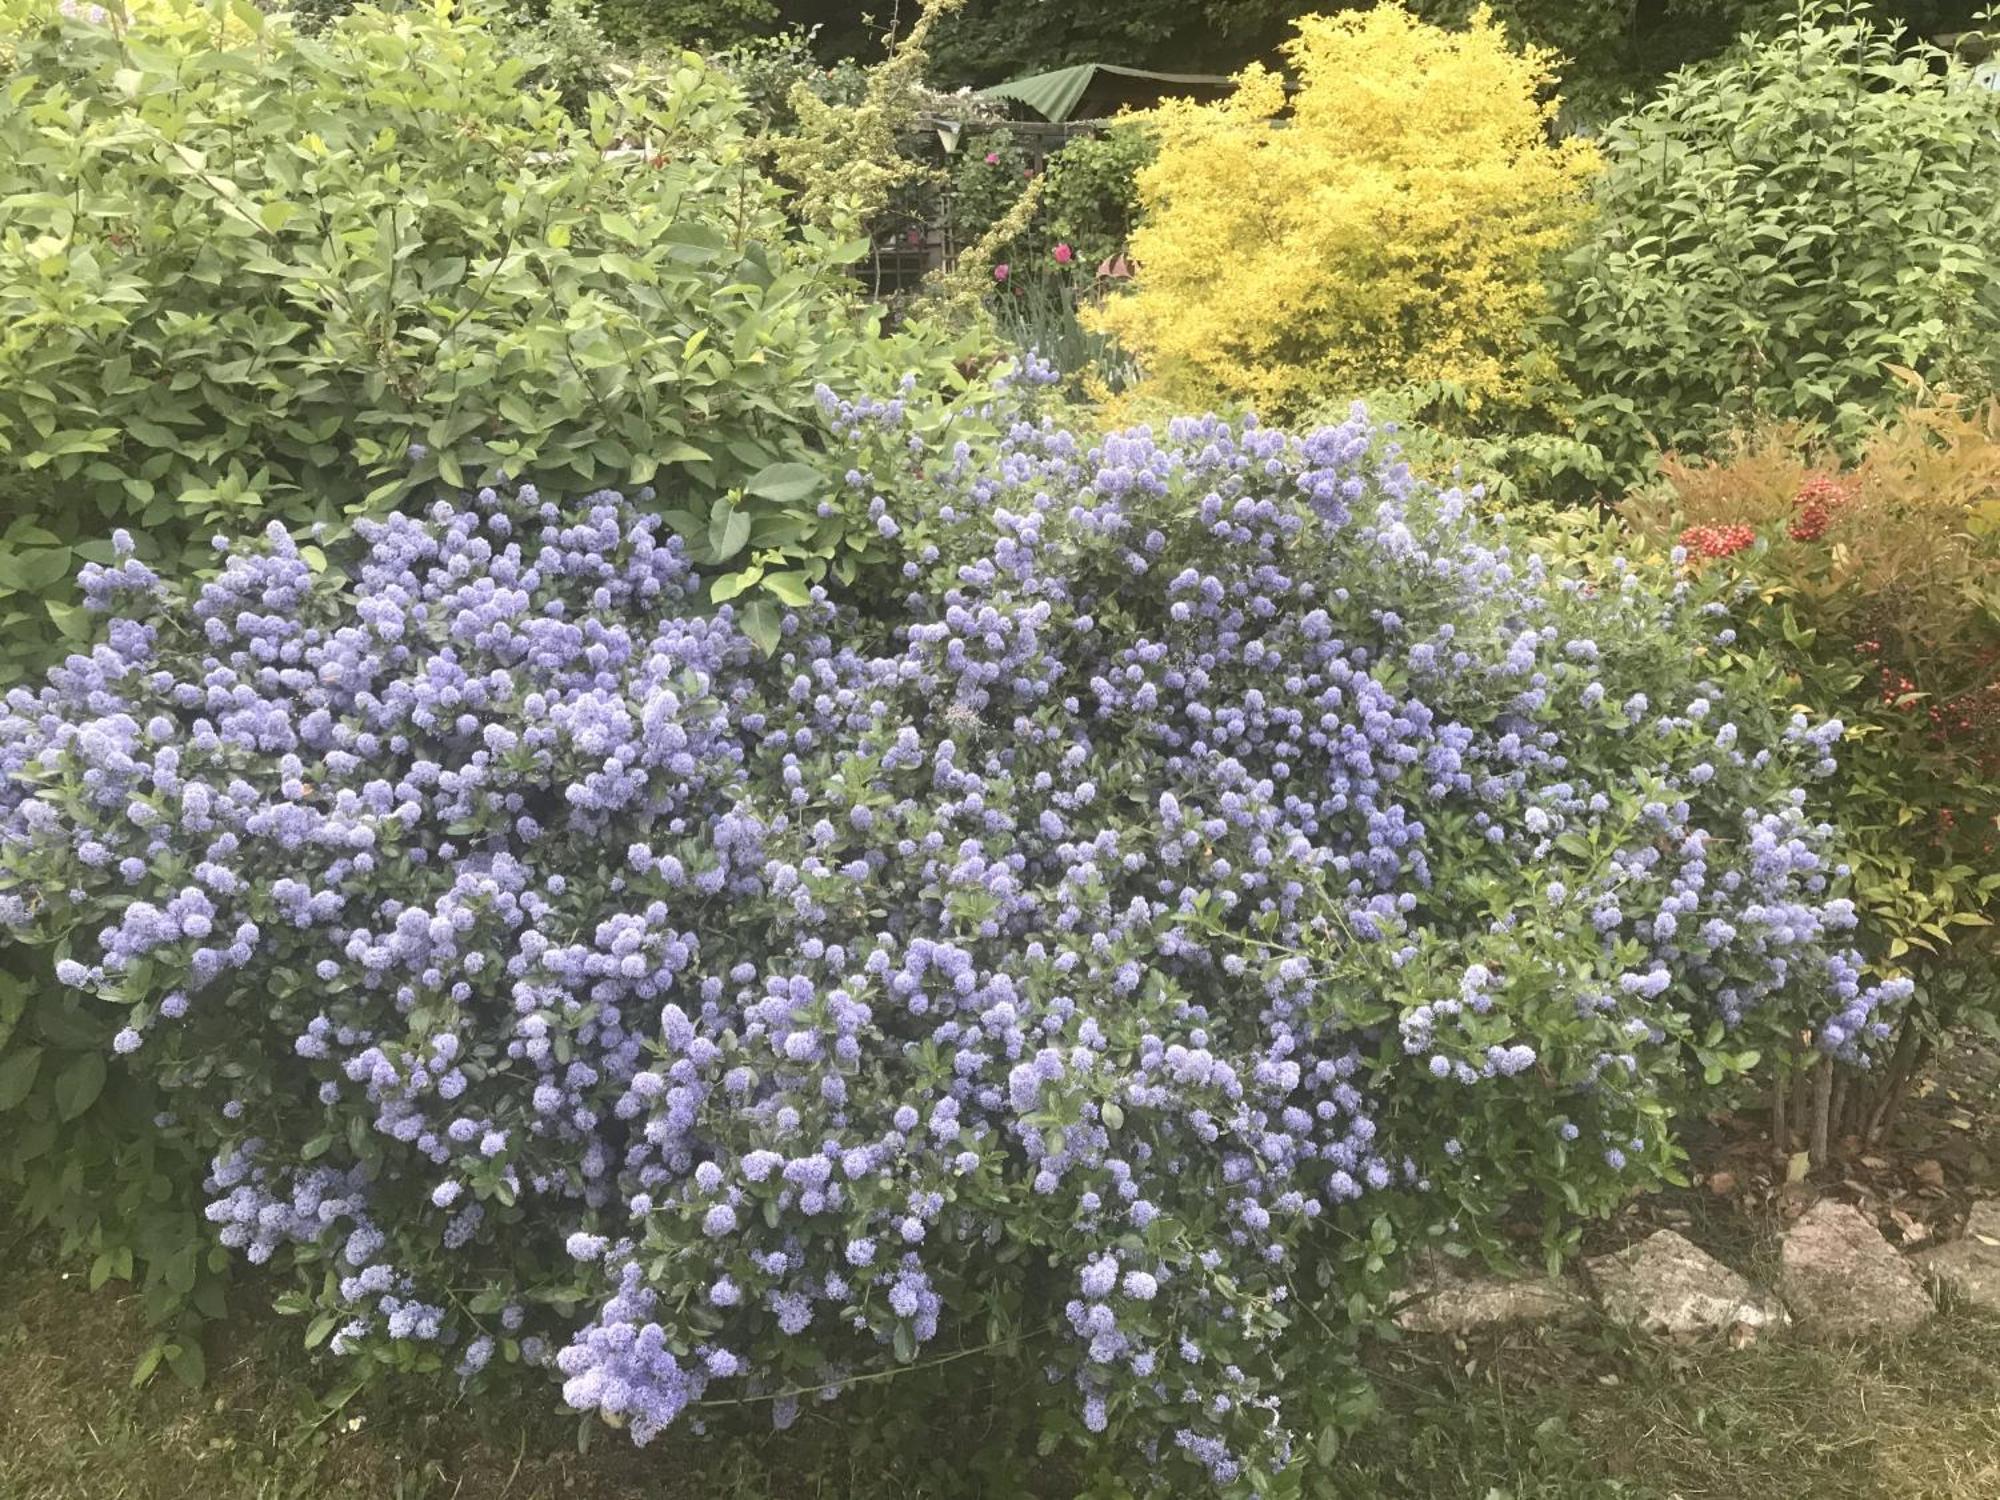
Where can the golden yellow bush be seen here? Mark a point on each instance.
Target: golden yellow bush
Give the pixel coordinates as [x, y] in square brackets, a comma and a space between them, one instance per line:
[1384, 226]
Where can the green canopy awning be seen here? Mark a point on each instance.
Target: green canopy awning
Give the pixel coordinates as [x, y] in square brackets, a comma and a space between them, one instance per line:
[1054, 95]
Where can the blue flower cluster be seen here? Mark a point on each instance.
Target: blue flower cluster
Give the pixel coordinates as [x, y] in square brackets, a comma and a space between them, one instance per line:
[1223, 860]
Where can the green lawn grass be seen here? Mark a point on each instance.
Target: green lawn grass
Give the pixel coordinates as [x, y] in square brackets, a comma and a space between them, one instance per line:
[1539, 1416]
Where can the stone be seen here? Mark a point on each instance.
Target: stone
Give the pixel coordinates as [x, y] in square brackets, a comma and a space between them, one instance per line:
[1666, 1284]
[1449, 1300]
[1969, 1267]
[1842, 1280]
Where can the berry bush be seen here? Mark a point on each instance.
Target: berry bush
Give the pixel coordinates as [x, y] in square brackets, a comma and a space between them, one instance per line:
[1221, 865]
[1871, 585]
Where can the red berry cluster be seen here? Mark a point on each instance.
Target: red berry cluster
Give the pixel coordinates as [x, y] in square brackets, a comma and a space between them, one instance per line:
[1969, 719]
[1818, 498]
[1896, 690]
[1973, 715]
[1717, 541]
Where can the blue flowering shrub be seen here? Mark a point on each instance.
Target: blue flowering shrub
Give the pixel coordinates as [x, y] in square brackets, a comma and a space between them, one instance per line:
[1219, 865]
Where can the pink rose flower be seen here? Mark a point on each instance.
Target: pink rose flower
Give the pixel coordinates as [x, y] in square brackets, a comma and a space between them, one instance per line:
[1000, 271]
[1064, 255]
[993, 158]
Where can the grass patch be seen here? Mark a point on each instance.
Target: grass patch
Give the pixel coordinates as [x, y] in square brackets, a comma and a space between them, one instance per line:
[1545, 1416]
[1596, 1415]
[72, 1427]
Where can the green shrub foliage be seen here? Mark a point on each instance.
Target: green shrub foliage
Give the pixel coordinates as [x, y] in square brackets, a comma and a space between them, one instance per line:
[685, 23]
[1091, 202]
[1776, 233]
[258, 274]
[1613, 46]
[1089, 195]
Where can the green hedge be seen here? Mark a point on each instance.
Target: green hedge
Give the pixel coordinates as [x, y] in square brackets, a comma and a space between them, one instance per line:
[247, 274]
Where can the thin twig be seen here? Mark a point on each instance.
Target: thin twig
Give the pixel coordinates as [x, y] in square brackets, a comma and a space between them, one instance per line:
[909, 1369]
[1822, 1102]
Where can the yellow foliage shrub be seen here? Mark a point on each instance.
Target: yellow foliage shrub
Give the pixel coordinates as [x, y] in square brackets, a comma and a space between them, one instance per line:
[1382, 227]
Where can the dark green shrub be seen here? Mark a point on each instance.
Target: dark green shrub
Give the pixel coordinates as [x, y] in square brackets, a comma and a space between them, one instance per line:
[88, 1155]
[987, 178]
[684, 23]
[1091, 200]
[1089, 195]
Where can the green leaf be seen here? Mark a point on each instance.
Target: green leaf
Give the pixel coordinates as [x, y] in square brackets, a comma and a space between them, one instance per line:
[727, 533]
[13, 1004]
[188, 1365]
[760, 623]
[180, 1271]
[17, 1075]
[730, 585]
[785, 483]
[79, 1084]
[789, 588]
[148, 1363]
[74, 621]
[33, 569]
[1327, 1447]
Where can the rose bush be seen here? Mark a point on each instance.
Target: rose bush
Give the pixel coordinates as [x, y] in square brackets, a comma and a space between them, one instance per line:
[1221, 865]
